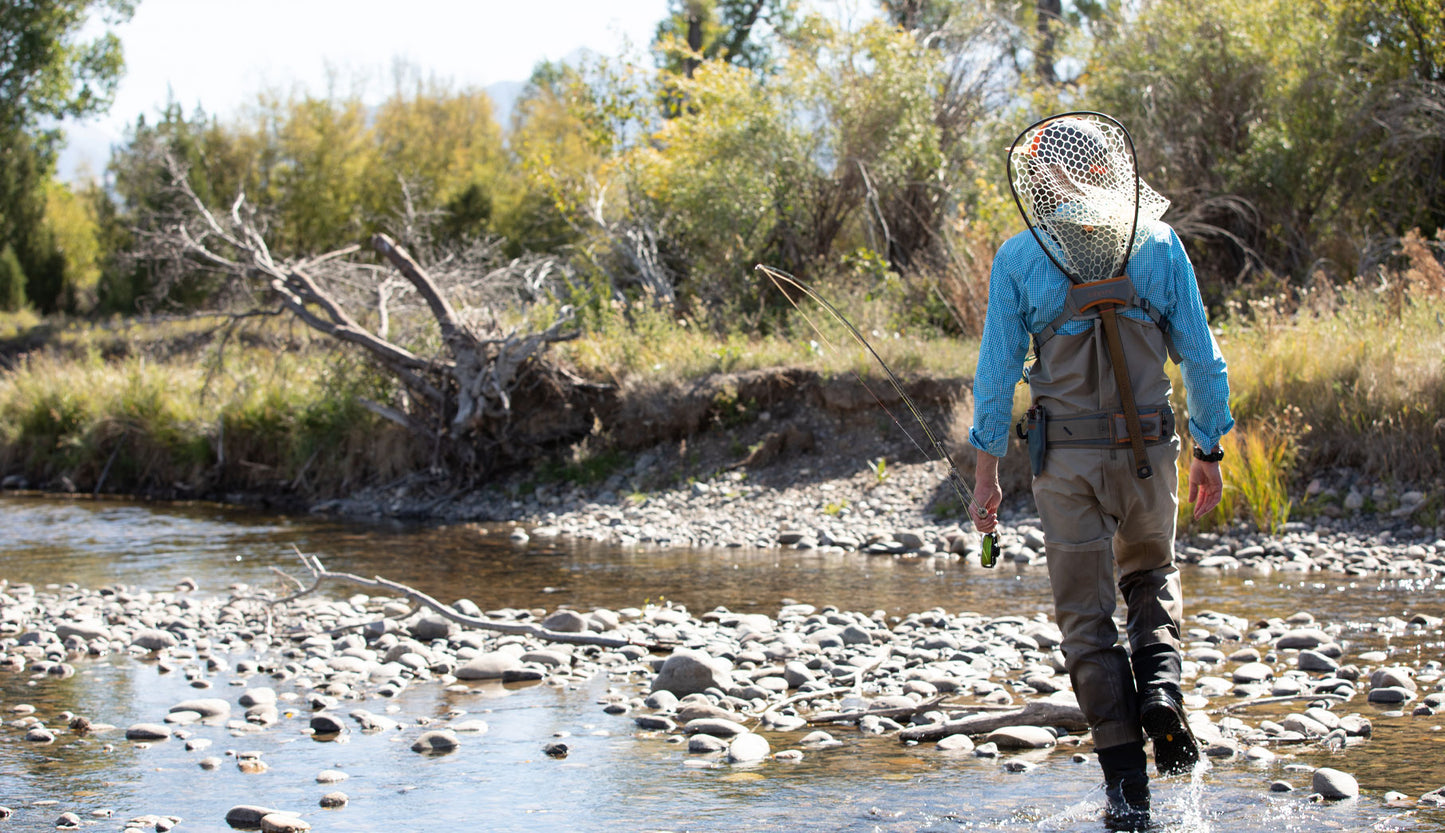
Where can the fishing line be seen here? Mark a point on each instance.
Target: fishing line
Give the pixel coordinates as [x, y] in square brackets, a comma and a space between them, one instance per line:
[782, 280]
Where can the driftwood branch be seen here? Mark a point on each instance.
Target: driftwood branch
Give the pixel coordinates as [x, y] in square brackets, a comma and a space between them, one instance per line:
[893, 713]
[320, 574]
[441, 308]
[1265, 701]
[489, 397]
[1036, 713]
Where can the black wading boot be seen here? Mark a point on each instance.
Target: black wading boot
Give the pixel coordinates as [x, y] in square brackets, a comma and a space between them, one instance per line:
[1128, 801]
[1161, 708]
[1164, 721]
[1126, 787]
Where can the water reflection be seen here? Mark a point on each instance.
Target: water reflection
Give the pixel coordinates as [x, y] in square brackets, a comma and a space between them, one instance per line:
[614, 777]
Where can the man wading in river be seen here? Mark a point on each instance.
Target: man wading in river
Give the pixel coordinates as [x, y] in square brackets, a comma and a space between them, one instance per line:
[1101, 436]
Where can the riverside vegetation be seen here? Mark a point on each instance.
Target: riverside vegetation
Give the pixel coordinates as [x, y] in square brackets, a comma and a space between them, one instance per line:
[625, 204]
[1347, 381]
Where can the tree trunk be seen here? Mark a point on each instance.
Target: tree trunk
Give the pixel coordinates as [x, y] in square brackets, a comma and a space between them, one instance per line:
[1049, 18]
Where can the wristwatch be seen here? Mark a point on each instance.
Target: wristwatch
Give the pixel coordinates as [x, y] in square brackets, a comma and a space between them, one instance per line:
[1212, 457]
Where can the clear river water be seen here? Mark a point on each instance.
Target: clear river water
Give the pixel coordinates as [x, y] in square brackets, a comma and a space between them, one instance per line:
[617, 778]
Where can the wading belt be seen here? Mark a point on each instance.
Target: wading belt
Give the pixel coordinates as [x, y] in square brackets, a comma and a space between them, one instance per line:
[1100, 429]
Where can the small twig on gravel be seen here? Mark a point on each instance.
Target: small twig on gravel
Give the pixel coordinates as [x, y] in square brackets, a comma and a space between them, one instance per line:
[282, 573]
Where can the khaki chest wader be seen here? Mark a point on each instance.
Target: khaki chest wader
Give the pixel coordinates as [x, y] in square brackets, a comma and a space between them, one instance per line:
[1100, 413]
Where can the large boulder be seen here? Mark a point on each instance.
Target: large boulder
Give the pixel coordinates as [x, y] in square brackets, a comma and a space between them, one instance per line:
[691, 672]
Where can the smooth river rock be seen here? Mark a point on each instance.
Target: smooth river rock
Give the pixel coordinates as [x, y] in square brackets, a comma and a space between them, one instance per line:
[691, 672]
[748, 747]
[489, 666]
[435, 742]
[1022, 737]
[1334, 784]
[148, 731]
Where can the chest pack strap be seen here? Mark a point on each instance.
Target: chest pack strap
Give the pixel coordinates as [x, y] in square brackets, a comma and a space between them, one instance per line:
[1084, 299]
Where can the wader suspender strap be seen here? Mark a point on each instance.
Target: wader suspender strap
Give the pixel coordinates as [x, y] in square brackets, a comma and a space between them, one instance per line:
[1142, 469]
[1106, 296]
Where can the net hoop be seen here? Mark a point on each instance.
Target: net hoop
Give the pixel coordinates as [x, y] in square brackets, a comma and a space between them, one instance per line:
[1083, 197]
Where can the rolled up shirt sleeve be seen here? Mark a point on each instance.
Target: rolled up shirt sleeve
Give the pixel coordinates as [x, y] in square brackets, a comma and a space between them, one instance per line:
[1001, 355]
[1202, 365]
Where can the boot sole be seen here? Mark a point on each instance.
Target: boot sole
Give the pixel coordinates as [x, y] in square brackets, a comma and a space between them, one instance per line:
[1175, 749]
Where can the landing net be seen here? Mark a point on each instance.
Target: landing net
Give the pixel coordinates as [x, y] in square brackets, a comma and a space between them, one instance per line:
[1074, 177]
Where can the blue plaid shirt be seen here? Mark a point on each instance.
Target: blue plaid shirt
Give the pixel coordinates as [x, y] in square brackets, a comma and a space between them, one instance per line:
[1026, 291]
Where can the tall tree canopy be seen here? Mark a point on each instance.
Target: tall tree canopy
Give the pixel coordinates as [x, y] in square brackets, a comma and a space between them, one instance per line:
[47, 73]
[45, 70]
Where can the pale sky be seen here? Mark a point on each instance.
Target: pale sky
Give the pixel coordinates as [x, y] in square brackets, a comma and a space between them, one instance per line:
[221, 53]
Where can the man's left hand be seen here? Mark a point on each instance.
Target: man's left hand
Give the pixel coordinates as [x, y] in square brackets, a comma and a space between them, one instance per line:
[1206, 487]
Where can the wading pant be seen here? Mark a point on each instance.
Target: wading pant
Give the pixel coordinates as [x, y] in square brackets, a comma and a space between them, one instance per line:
[1098, 515]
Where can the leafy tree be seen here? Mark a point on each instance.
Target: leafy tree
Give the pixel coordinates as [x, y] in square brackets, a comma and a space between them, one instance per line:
[219, 163]
[12, 281]
[1278, 128]
[730, 30]
[71, 226]
[711, 177]
[567, 131]
[445, 147]
[47, 73]
[315, 176]
[45, 70]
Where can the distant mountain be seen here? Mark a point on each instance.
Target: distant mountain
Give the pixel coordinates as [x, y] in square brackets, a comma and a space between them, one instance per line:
[504, 96]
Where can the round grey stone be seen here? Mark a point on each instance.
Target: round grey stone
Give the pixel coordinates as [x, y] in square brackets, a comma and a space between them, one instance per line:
[209, 708]
[1334, 784]
[956, 743]
[717, 727]
[326, 724]
[258, 697]
[490, 666]
[566, 621]
[690, 672]
[706, 745]
[1253, 672]
[748, 747]
[283, 823]
[437, 741]
[154, 640]
[247, 815]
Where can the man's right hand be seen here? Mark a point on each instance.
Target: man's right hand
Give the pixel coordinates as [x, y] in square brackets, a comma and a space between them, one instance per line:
[987, 496]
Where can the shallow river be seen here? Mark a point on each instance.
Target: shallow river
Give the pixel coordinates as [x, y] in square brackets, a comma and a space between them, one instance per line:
[617, 779]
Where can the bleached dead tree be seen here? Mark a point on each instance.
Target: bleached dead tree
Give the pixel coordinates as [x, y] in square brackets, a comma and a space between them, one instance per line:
[489, 395]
